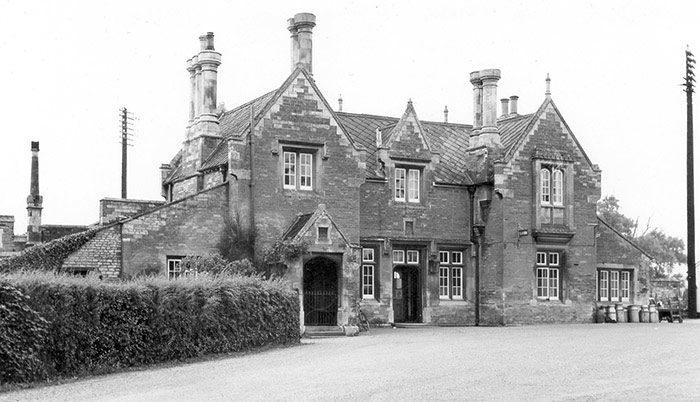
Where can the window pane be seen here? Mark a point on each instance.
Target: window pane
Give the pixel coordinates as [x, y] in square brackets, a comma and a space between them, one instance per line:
[413, 185]
[444, 282]
[367, 254]
[444, 257]
[603, 291]
[542, 282]
[554, 259]
[544, 186]
[614, 285]
[368, 281]
[541, 258]
[557, 187]
[290, 160]
[412, 256]
[457, 257]
[625, 285]
[398, 256]
[553, 283]
[305, 171]
[456, 282]
[400, 184]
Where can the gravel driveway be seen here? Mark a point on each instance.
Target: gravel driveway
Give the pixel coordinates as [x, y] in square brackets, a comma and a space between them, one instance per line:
[639, 362]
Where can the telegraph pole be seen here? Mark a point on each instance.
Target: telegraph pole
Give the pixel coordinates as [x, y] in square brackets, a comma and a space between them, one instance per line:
[692, 284]
[126, 133]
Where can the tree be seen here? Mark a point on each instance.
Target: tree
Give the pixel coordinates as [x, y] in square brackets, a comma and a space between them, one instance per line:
[666, 250]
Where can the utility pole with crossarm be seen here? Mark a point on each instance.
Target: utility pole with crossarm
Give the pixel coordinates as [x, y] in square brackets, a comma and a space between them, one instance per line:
[692, 283]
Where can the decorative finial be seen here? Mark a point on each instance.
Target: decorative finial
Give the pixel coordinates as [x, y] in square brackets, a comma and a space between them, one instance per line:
[340, 102]
[445, 111]
[410, 102]
[548, 92]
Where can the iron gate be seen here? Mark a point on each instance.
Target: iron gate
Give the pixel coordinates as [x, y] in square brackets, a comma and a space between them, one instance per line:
[320, 307]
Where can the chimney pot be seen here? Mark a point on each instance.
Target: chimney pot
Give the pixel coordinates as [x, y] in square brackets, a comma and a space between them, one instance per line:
[445, 112]
[513, 105]
[35, 145]
[340, 103]
[504, 107]
[301, 29]
[210, 41]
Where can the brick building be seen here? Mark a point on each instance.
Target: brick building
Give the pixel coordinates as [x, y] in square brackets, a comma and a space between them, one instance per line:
[419, 220]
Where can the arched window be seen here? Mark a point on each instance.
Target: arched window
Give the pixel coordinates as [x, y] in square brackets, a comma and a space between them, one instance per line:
[546, 184]
[557, 187]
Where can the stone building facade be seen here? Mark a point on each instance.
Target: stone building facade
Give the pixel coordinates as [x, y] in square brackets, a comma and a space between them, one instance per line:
[492, 222]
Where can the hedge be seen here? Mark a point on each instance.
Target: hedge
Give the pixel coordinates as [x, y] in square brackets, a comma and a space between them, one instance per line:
[94, 327]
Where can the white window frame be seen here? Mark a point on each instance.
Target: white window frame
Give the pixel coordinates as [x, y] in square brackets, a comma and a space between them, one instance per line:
[547, 275]
[451, 275]
[407, 185]
[412, 256]
[306, 171]
[367, 255]
[368, 281]
[289, 172]
[614, 284]
[545, 185]
[400, 184]
[557, 187]
[298, 170]
[413, 191]
[398, 257]
[174, 266]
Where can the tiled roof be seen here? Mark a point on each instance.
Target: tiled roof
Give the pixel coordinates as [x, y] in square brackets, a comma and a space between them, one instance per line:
[233, 124]
[512, 130]
[296, 226]
[449, 139]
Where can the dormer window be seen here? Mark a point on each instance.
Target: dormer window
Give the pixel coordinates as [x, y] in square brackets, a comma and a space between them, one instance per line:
[298, 170]
[407, 185]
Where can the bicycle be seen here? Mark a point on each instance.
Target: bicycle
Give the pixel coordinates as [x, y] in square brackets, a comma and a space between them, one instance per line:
[360, 317]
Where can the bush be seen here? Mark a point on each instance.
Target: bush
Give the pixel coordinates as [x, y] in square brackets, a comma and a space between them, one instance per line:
[215, 264]
[96, 326]
[22, 333]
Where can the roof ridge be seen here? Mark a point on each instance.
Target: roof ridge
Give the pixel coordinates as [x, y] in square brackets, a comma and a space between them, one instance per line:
[250, 102]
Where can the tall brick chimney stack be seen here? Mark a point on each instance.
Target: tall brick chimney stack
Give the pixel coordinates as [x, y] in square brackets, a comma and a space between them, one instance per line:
[301, 29]
[34, 201]
[485, 84]
[203, 131]
[203, 87]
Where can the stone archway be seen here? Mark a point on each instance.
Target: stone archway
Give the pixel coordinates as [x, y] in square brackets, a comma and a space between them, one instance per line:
[320, 276]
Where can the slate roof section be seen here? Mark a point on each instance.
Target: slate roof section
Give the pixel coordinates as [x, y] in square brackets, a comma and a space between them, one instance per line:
[449, 139]
[296, 226]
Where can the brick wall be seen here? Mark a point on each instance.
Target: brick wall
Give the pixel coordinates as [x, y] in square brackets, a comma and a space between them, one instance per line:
[300, 122]
[509, 296]
[190, 226]
[101, 254]
[114, 209]
[52, 232]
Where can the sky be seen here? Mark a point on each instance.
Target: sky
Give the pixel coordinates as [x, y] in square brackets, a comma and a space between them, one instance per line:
[68, 67]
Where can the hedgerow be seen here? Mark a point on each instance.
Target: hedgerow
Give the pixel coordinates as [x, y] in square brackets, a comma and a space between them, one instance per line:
[95, 326]
[47, 256]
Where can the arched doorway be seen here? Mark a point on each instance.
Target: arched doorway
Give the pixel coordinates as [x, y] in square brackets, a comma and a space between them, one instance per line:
[320, 292]
[406, 294]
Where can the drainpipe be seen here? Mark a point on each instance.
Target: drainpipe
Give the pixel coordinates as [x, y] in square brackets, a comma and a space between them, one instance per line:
[251, 207]
[475, 236]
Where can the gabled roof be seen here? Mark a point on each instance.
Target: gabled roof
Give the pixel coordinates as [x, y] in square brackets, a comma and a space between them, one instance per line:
[304, 222]
[237, 122]
[406, 141]
[625, 239]
[514, 131]
[449, 139]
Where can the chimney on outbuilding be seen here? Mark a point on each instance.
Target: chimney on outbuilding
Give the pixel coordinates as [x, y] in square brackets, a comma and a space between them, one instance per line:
[513, 105]
[301, 31]
[34, 200]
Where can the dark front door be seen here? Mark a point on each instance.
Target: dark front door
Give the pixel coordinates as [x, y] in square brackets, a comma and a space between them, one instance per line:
[406, 292]
[320, 292]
